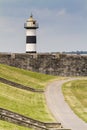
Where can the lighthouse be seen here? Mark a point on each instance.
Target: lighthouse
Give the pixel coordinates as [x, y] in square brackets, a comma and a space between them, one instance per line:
[31, 25]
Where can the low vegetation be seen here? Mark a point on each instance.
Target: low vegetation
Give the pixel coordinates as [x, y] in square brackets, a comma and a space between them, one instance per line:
[24, 102]
[27, 78]
[27, 103]
[75, 93]
[9, 126]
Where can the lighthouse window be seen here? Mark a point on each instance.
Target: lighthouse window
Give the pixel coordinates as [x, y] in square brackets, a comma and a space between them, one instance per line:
[33, 22]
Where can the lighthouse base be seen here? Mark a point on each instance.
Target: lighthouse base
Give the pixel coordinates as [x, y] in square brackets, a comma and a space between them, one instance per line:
[30, 48]
[31, 52]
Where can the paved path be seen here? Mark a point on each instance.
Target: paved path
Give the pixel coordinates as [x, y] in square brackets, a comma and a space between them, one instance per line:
[60, 109]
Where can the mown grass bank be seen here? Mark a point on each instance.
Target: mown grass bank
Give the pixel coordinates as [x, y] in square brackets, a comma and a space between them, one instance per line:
[9, 126]
[24, 77]
[75, 93]
[24, 102]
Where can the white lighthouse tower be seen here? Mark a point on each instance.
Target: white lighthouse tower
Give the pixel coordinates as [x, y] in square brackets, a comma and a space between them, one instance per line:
[31, 26]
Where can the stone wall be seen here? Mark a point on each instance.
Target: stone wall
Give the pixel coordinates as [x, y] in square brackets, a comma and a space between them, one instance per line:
[48, 63]
[21, 120]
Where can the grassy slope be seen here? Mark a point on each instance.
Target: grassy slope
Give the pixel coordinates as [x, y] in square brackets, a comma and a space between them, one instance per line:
[28, 78]
[75, 93]
[26, 103]
[9, 126]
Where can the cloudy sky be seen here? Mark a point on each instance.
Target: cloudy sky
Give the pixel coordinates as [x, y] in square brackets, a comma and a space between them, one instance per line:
[62, 24]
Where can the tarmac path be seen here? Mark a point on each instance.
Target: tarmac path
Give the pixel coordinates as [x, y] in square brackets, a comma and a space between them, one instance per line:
[60, 109]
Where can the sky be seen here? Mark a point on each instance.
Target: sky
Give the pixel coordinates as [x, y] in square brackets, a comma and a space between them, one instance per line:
[62, 25]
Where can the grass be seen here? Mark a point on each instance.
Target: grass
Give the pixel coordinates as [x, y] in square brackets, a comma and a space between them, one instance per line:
[27, 103]
[24, 102]
[9, 126]
[28, 78]
[75, 93]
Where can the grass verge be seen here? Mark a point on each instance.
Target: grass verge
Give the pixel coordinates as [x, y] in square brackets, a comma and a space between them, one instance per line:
[27, 78]
[9, 126]
[24, 102]
[75, 93]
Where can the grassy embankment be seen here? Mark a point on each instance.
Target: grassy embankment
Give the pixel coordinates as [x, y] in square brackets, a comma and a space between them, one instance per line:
[27, 78]
[24, 102]
[75, 93]
[9, 126]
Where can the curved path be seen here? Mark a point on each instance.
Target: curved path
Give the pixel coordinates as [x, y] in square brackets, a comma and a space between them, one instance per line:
[60, 109]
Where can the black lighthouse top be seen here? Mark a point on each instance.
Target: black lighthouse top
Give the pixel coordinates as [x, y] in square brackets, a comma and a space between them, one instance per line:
[31, 23]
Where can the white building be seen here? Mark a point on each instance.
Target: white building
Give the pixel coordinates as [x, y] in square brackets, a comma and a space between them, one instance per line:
[31, 26]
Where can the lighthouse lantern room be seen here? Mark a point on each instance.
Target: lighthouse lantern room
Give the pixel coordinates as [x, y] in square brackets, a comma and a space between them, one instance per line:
[31, 25]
